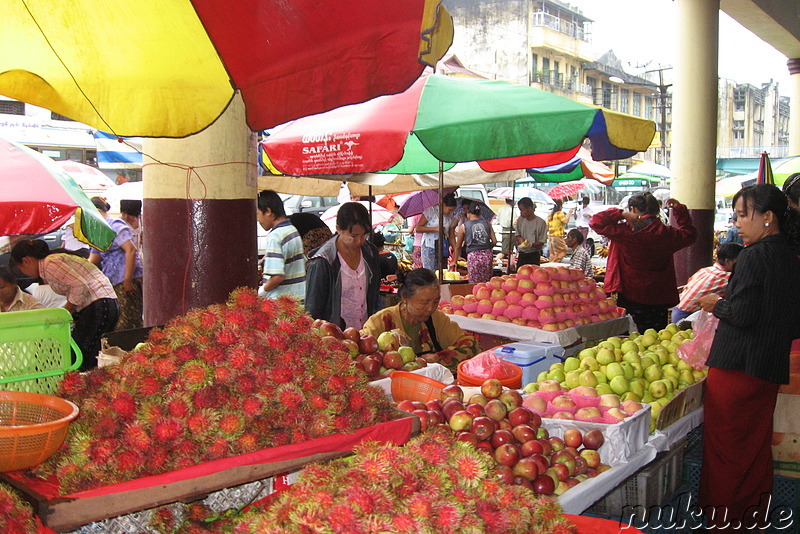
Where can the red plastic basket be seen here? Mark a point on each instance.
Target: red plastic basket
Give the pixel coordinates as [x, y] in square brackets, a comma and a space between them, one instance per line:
[414, 387]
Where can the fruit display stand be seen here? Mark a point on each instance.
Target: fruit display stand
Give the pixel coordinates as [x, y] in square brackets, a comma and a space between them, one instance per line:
[65, 512]
[565, 338]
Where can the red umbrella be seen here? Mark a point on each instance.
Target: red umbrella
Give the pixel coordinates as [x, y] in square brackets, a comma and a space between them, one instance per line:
[567, 189]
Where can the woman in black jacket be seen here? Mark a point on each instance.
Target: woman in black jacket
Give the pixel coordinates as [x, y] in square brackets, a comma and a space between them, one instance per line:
[749, 358]
[342, 276]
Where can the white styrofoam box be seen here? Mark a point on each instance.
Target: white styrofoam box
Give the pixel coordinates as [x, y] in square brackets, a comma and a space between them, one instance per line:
[623, 439]
[531, 359]
[553, 349]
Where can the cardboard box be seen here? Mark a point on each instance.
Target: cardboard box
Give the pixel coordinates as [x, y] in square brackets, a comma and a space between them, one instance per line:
[685, 401]
[448, 290]
[786, 435]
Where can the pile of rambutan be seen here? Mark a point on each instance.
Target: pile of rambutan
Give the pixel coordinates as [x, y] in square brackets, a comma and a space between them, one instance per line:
[16, 515]
[432, 484]
[216, 382]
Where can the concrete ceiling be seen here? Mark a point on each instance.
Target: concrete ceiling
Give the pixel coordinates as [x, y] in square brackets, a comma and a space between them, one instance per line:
[776, 22]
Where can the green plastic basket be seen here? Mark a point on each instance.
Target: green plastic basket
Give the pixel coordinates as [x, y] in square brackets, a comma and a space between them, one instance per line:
[36, 350]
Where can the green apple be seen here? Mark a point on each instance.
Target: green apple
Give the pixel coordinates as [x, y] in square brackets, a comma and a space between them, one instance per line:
[655, 409]
[665, 342]
[627, 368]
[407, 353]
[698, 374]
[678, 338]
[670, 370]
[647, 361]
[541, 377]
[665, 334]
[649, 339]
[647, 397]
[619, 385]
[603, 388]
[572, 363]
[617, 342]
[651, 331]
[531, 388]
[671, 381]
[601, 377]
[663, 401]
[638, 386]
[628, 346]
[558, 375]
[587, 378]
[589, 364]
[573, 379]
[557, 365]
[683, 366]
[605, 356]
[587, 353]
[631, 395]
[633, 335]
[614, 370]
[653, 373]
[631, 357]
[672, 327]
[637, 369]
[607, 344]
[658, 389]
[672, 346]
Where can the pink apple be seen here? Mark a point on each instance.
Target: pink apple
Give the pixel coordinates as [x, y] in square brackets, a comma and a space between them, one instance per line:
[616, 413]
[525, 272]
[631, 407]
[502, 319]
[496, 282]
[513, 297]
[558, 300]
[528, 299]
[587, 391]
[489, 316]
[540, 275]
[509, 284]
[499, 307]
[534, 324]
[562, 401]
[530, 313]
[474, 315]
[497, 294]
[520, 321]
[563, 415]
[544, 288]
[609, 400]
[484, 306]
[483, 294]
[544, 301]
[457, 302]
[525, 285]
[588, 412]
[470, 303]
[549, 385]
[547, 316]
[514, 311]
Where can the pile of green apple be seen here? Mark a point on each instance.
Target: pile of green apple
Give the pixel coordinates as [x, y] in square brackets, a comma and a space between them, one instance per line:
[377, 357]
[642, 367]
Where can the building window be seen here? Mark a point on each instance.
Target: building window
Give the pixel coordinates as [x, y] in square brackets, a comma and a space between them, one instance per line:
[738, 129]
[648, 108]
[56, 117]
[12, 107]
[739, 98]
[545, 70]
[637, 104]
[607, 95]
[624, 100]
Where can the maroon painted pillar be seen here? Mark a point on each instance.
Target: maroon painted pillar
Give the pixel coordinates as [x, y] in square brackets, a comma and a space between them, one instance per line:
[198, 217]
[700, 253]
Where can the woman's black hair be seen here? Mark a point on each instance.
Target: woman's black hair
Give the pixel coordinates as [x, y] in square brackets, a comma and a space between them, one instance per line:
[644, 202]
[100, 203]
[556, 206]
[36, 248]
[791, 187]
[7, 275]
[377, 239]
[414, 280]
[131, 207]
[767, 197]
[353, 214]
[450, 200]
[475, 208]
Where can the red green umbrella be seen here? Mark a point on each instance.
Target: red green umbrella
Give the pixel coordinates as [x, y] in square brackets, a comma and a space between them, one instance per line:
[37, 196]
[447, 119]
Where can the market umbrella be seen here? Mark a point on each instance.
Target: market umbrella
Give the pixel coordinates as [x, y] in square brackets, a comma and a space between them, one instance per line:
[764, 175]
[91, 179]
[380, 215]
[169, 69]
[520, 192]
[582, 165]
[418, 202]
[441, 120]
[785, 168]
[727, 187]
[652, 172]
[37, 196]
[566, 189]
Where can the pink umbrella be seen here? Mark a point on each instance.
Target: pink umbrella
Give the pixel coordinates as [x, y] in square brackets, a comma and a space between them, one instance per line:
[380, 215]
[566, 189]
[87, 177]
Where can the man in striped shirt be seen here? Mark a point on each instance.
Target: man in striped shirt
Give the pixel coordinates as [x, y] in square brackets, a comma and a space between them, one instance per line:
[284, 261]
[707, 280]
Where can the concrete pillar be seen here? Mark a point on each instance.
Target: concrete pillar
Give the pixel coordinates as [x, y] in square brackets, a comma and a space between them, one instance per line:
[694, 126]
[199, 217]
[794, 107]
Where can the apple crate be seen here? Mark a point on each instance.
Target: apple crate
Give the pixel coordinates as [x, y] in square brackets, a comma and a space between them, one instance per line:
[651, 486]
[684, 402]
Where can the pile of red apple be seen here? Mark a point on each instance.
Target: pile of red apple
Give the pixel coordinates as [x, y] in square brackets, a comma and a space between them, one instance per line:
[549, 298]
[496, 421]
[376, 357]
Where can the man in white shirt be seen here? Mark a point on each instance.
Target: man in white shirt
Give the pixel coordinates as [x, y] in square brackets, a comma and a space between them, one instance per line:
[582, 215]
[531, 234]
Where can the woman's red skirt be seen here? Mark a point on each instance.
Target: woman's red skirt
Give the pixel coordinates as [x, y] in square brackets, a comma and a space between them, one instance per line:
[737, 475]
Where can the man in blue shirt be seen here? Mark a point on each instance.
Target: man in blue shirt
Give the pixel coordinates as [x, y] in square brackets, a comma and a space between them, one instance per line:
[284, 261]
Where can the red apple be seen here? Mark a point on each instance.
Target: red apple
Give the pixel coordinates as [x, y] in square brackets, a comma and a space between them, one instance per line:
[419, 405]
[392, 360]
[503, 424]
[478, 398]
[482, 427]
[506, 454]
[561, 470]
[485, 446]
[491, 388]
[511, 398]
[566, 458]
[581, 465]
[547, 447]
[460, 420]
[467, 437]
[423, 419]
[372, 365]
[523, 433]
[436, 417]
[352, 347]
[476, 410]
[496, 409]
[520, 416]
[351, 333]
[504, 473]
[453, 391]
[406, 406]
[526, 468]
[557, 443]
[573, 437]
[434, 404]
[448, 409]
[367, 344]
[591, 457]
[593, 439]
[541, 462]
[330, 329]
[544, 485]
[501, 437]
[542, 432]
[531, 447]
[522, 481]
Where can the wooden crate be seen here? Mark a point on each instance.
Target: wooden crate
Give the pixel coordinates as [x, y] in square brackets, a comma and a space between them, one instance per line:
[64, 513]
[685, 401]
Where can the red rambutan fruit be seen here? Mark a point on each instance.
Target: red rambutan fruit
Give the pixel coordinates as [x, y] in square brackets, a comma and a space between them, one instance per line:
[182, 355]
[224, 375]
[317, 401]
[252, 406]
[208, 318]
[147, 386]
[72, 383]
[226, 336]
[239, 357]
[212, 354]
[127, 461]
[337, 384]
[419, 505]
[167, 429]
[281, 375]
[179, 407]
[231, 423]
[357, 400]
[403, 523]
[124, 405]
[166, 367]
[243, 298]
[195, 374]
[217, 449]
[289, 396]
[247, 442]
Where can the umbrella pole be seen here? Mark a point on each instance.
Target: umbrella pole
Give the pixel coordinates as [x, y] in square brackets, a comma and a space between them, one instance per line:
[369, 190]
[511, 231]
[439, 251]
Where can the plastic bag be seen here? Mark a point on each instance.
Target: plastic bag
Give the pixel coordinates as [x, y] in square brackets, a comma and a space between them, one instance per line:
[695, 351]
[488, 365]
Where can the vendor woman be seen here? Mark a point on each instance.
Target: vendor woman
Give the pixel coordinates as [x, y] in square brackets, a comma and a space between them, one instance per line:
[419, 317]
